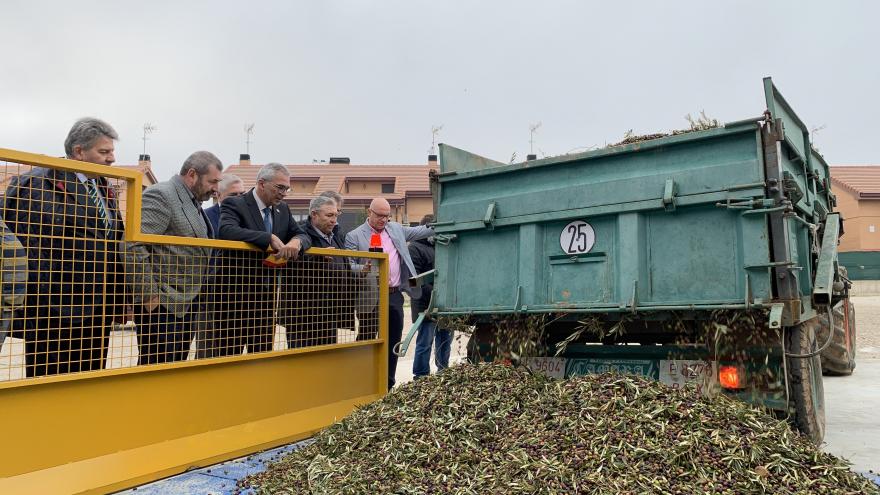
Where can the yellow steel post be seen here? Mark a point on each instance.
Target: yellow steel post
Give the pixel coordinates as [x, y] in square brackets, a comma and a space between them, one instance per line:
[384, 348]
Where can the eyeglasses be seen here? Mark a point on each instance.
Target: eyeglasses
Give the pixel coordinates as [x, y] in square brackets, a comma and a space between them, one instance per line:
[280, 187]
[234, 194]
[386, 217]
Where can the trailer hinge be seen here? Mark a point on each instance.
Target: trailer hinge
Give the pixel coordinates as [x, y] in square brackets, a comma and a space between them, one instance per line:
[489, 217]
[669, 192]
[776, 310]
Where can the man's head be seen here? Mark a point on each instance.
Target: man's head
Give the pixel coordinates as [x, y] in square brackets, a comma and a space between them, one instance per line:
[230, 185]
[91, 140]
[429, 218]
[201, 174]
[323, 213]
[273, 182]
[335, 196]
[379, 214]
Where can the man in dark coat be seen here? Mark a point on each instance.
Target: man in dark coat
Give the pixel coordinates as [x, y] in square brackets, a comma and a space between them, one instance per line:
[422, 254]
[70, 225]
[259, 217]
[230, 186]
[326, 297]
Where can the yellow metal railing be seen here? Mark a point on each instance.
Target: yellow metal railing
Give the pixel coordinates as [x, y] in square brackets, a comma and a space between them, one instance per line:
[128, 357]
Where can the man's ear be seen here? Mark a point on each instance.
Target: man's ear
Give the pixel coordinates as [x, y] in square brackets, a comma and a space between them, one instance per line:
[77, 152]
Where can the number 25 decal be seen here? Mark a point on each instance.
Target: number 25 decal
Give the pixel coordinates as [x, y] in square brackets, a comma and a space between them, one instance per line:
[577, 237]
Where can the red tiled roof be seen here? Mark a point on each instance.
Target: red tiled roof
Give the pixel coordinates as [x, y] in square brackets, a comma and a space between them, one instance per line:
[409, 180]
[863, 180]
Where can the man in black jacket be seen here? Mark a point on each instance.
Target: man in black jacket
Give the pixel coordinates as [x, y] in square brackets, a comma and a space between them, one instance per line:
[327, 285]
[70, 225]
[422, 254]
[259, 217]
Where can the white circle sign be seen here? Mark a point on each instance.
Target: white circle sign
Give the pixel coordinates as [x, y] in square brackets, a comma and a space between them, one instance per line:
[577, 237]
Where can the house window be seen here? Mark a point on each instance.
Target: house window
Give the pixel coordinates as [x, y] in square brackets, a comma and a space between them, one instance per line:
[871, 229]
[387, 188]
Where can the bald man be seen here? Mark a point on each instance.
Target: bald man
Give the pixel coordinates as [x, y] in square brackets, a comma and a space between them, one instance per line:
[394, 237]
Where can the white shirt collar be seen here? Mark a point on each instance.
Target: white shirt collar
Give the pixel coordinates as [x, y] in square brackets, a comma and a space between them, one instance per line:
[260, 205]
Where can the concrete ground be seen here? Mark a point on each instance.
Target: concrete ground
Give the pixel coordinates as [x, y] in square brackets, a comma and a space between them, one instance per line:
[852, 403]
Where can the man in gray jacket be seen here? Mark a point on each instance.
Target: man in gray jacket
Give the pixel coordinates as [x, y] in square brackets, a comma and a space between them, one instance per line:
[167, 279]
[394, 237]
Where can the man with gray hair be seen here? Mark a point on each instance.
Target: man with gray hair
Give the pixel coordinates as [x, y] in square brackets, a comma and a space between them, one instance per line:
[328, 301]
[167, 279]
[262, 218]
[230, 186]
[70, 225]
[335, 196]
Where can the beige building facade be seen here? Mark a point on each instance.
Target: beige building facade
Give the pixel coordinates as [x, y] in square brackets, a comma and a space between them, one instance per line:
[857, 189]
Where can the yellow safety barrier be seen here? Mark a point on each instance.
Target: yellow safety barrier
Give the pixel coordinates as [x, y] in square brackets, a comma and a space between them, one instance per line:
[127, 357]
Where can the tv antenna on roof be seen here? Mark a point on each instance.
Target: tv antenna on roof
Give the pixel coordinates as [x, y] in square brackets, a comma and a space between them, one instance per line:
[532, 129]
[435, 129]
[148, 129]
[249, 131]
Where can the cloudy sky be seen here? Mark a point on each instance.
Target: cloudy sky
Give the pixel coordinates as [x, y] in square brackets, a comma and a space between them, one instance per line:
[369, 79]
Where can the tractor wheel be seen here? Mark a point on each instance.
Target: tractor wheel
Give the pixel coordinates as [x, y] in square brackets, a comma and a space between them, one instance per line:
[806, 393]
[839, 359]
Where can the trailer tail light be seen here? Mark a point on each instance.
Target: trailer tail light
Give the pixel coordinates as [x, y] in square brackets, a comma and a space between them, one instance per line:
[730, 377]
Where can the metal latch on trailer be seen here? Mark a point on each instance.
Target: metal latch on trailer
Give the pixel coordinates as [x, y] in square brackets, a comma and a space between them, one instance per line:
[669, 192]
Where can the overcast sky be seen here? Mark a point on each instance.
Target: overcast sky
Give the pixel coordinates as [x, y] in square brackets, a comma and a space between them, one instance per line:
[368, 79]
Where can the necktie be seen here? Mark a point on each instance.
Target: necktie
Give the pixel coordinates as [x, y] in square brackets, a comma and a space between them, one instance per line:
[96, 200]
[267, 218]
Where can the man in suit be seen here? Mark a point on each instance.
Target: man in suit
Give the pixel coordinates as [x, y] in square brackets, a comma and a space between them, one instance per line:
[230, 186]
[394, 237]
[13, 278]
[328, 301]
[207, 345]
[259, 217]
[70, 226]
[168, 279]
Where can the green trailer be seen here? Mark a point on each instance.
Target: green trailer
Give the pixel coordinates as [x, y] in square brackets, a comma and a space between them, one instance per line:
[704, 258]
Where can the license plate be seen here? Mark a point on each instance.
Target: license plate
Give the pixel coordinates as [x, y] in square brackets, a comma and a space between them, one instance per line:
[551, 366]
[678, 373]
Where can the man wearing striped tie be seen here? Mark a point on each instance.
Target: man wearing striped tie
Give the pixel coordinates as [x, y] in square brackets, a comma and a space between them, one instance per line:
[70, 226]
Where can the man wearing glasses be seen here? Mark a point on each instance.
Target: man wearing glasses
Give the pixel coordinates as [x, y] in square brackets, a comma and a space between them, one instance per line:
[259, 217]
[394, 237]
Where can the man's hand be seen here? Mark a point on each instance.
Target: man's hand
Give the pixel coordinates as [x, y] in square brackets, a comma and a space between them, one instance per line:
[291, 249]
[276, 245]
[152, 304]
[366, 268]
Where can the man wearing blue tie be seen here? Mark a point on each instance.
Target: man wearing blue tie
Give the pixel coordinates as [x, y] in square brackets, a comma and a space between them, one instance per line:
[259, 217]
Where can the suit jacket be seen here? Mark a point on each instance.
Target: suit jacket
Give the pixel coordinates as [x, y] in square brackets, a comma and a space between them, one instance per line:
[328, 300]
[71, 252]
[359, 240]
[240, 220]
[213, 213]
[174, 273]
